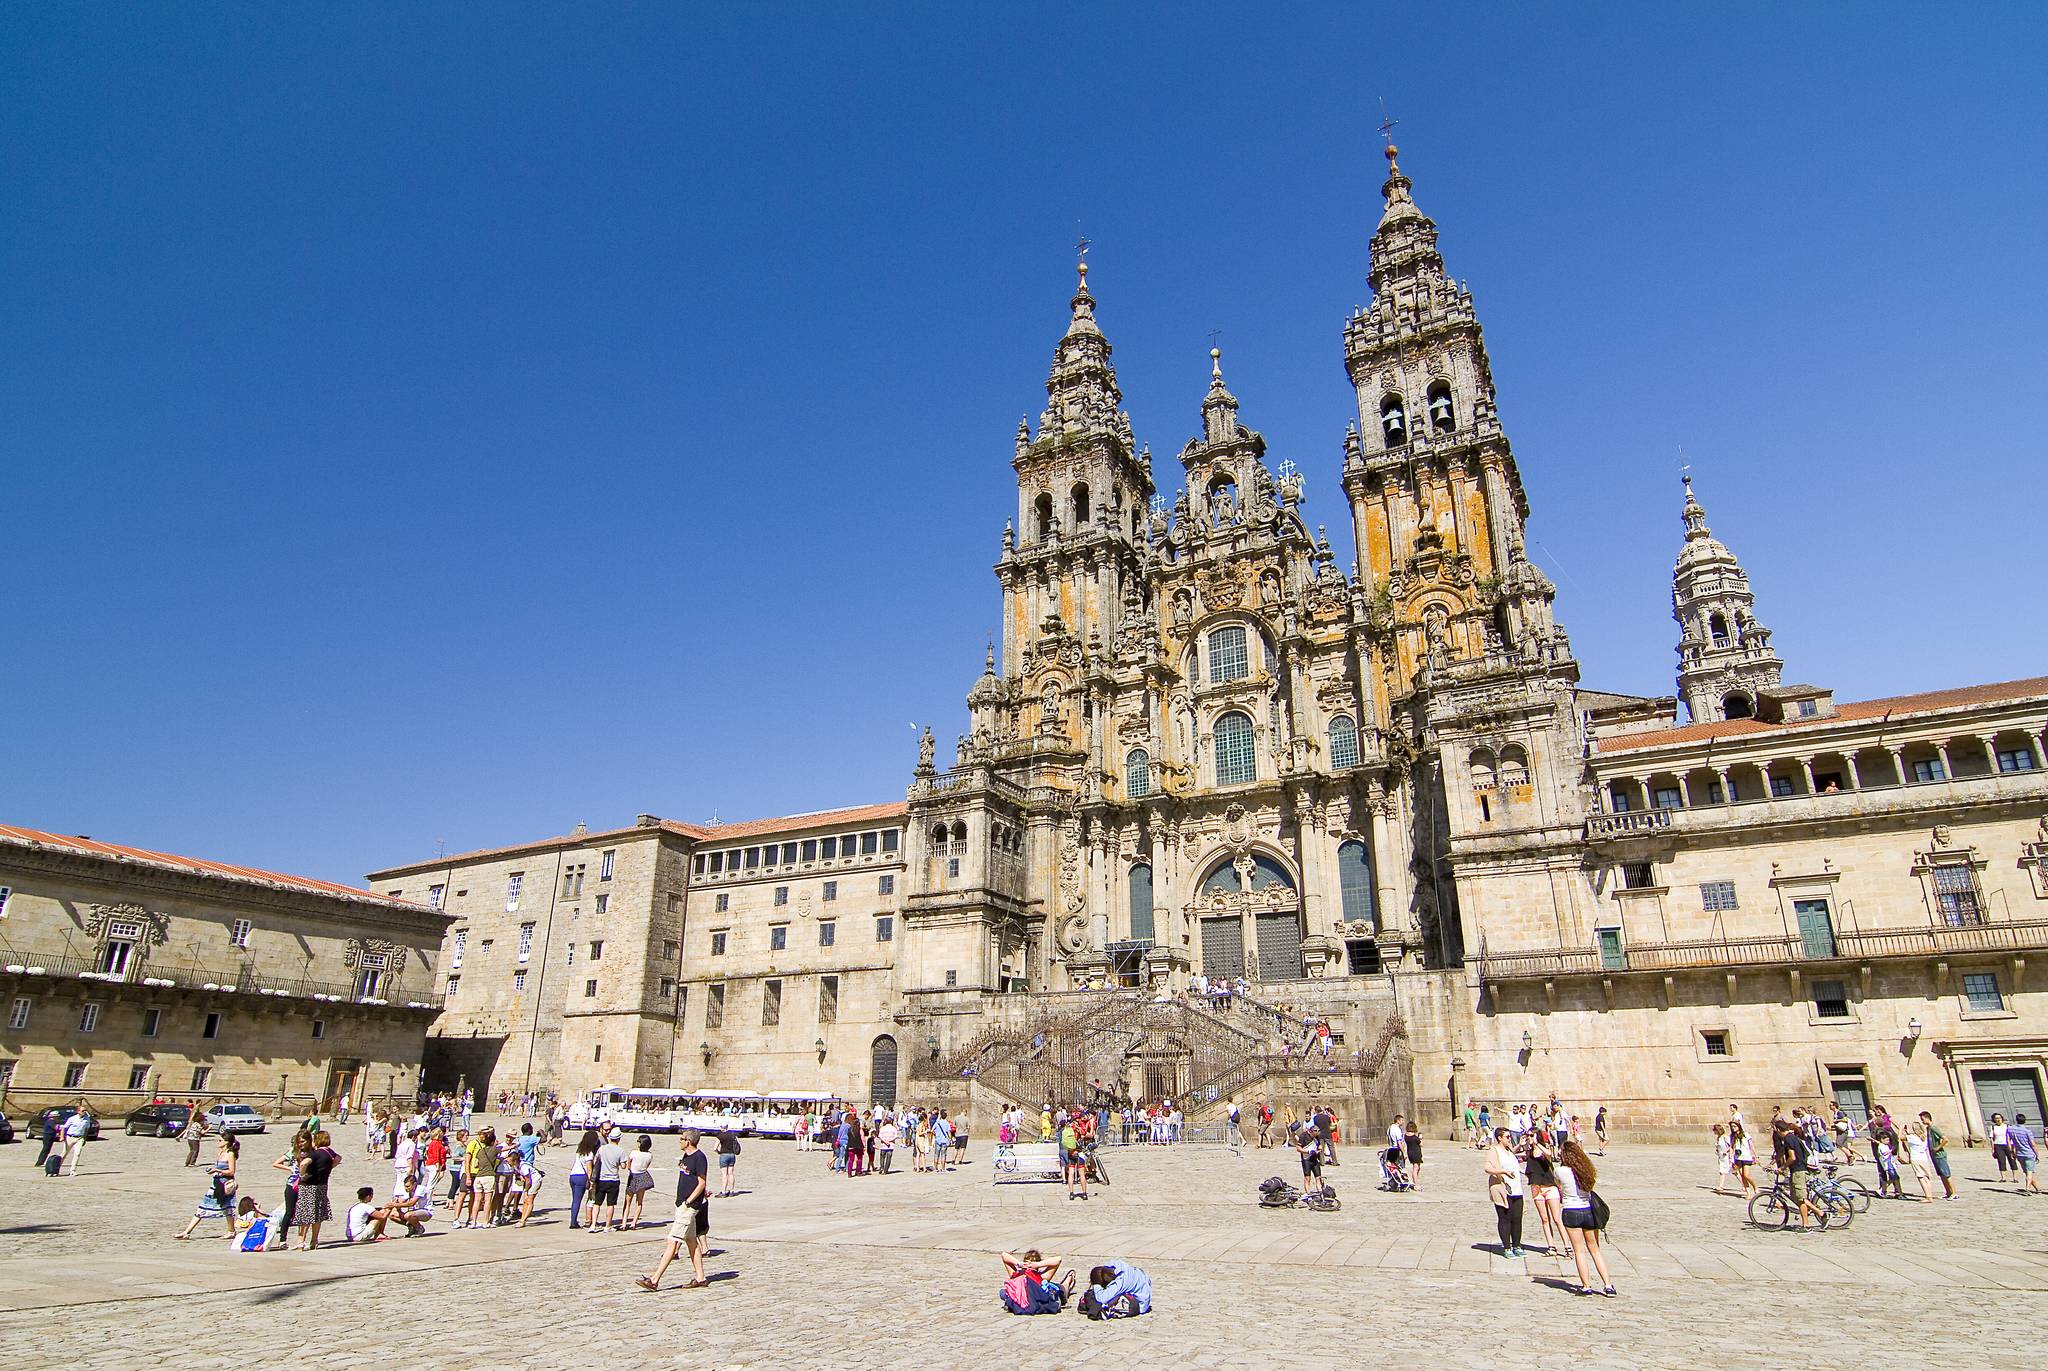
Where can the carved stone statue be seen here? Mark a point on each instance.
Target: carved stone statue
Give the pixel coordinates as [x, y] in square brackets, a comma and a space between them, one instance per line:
[926, 746]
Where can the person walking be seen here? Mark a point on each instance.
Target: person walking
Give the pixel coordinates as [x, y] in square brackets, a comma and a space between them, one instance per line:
[77, 1129]
[1744, 1155]
[692, 1223]
[1600, 1131]
[2020, 1139]
[1411, 1140]
[1575, 1176]
[1724, 1159]
[193, 1131]
[1506, 1186]
[219, 1200]
[639, 1180]
[1790, 1151]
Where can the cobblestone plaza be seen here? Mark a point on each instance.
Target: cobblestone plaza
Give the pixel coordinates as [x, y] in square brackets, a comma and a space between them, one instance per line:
[809, 1269]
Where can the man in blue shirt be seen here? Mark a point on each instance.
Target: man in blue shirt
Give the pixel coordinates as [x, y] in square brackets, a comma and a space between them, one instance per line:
[942, 1141]
[1118, 1290]
[2020, 1139]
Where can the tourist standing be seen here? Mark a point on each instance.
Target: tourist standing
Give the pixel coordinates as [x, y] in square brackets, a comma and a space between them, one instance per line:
[313, 1207]
[2001, 1147]
[1600, 1130]
[960, 1140]
[639, 1180]
[1411, 1140]
[579, 1174]
[885, 1143]
[1724, 1159]
[692, 1222]
[729, 1158]
[1546, 1192]
[1505, 1186]
[1744, 1155]
[1920, 1159]
[611, 1163]
[1575, 1176]
[193, 1131]
[1310, 1149]
[942, 1141]
[76, 1129]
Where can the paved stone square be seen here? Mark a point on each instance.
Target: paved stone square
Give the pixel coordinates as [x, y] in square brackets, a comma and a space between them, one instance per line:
[810, 1270]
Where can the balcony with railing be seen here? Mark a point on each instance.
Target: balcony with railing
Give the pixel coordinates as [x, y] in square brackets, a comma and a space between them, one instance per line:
[1772, 950]
[22, 966]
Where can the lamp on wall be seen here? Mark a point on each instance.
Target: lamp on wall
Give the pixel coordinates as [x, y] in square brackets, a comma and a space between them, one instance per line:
[931, 1045]
[1528, 1041]
[820, 1045]
[1913, 1029]
[705, 1049]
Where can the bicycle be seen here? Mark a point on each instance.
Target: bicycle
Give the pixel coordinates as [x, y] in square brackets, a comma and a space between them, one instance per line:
[1776, 1209]
[1858, 1194]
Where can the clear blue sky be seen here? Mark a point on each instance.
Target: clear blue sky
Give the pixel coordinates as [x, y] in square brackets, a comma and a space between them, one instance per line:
[439, 424]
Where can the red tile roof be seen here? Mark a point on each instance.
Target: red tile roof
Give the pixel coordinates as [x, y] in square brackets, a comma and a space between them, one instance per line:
[197, 866]
[1845, 712]
[823, 818]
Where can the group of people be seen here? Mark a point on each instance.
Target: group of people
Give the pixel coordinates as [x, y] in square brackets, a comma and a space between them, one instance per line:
[1521, 1120]
[1545, 1168]
[1032, 1284]
[864, 1142]
[1804, 1140]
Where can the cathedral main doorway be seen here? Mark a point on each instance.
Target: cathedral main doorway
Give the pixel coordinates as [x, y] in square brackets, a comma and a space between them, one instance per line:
[1223, 946]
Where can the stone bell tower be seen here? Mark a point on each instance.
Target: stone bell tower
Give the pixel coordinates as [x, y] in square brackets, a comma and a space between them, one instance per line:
[1724, 655]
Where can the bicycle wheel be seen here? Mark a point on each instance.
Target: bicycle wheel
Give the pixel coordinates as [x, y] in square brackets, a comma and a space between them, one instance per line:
[1841, 1208]
[1858, 1193]
[1767, 1209]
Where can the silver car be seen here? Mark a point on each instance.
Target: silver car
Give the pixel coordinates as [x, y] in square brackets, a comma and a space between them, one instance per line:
[233, 1118]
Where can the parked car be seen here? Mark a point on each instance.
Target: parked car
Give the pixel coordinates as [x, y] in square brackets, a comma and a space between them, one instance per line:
[232, 1118]
[6, 1129]
[158, 1120]
[54, 1117]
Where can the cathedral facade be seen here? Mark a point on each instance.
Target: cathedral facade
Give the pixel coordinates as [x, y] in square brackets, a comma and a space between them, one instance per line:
[1205, 749]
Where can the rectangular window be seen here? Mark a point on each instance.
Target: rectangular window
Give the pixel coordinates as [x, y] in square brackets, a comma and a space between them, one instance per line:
[788, 853]
[810, 849]
[512, 884]
[1716, 1043]
[138, 1078]
[828, 848]
[525, 941]
[952, 866]
[454, 986]
[892, 838]
[869, 843]
[238, 933]
[778, 937]
[1830, 1000]
[2017, 759]
[721, 904]
[831, 891]
[717, 863]
[697, 865]
[604, 902]
[590, 990]
[435, 893]
[1612, 958]
[667, 990]
[202, 1077]
[4, 893]
[1227, 658]
[718, 943]
[1808, 708]
[88, 1018]
[604, 864]
[1927, 769]
[74, 1075]
[886, 885]
[771, 1003]
[597, 1053]
[828, 932]
[781, 895]
[1955, 895]
[1667, 797]
[885, 929]
[952, 978]
[675, 904]
[828, 999]
[519, 983]
[753, 858]
[1717, 896]
[212, 1029]
[319, 1028]
[714, 1006]
[1781, 786]
[1638, 876]
[1714, 793]
[152, 1021]
[670, 949]
[1980, 988]
[17, 1017]
[597, 950]
[455, 955]
[485, 946]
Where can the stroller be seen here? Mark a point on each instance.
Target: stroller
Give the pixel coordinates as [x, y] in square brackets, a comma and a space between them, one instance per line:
[1393, 1175]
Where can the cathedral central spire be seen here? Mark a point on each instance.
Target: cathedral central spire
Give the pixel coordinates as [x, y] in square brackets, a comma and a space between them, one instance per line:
[1725, 658]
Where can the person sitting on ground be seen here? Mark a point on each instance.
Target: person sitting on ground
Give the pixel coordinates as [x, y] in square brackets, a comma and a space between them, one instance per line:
[361, 1223]
[1117, 1290]
[1032, 1283]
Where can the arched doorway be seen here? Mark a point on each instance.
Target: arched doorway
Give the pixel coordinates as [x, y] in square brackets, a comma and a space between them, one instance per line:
[882, 1072]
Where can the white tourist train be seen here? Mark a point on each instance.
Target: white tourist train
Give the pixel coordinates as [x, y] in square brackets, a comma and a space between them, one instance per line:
[773, 1115]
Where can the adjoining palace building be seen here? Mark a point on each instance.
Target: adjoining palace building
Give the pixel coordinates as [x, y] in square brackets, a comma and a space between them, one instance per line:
[1206, 749]
[127, 973]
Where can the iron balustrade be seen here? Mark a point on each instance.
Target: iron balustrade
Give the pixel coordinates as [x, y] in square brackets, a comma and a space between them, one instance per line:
[1928, 940]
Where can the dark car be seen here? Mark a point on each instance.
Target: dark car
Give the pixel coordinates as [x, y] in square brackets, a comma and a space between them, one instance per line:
[158, 1120]
[55, 1117]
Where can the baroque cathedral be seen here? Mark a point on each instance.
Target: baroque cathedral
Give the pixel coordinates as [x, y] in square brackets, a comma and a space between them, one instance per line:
[1208, 751]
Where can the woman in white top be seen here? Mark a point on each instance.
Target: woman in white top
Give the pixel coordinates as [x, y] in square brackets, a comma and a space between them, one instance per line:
[1745, 1157]
[1505, 1187]
[1575, 1176]
[639, 1180]
[1724, 1159]
[1921, 1159]
[2001, 1146]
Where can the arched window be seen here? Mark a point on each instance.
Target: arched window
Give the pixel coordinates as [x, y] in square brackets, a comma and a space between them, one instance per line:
[1228, 660]
[1354, 877]
[1079, 504]
[1141, 901]
[1736, 705]
[1717, 629]
[1394, 419]
[882, 1070]
[1481, 765]
[1222, 880]
[1442, 417]
[1514, 766]
[939, 840]
[1137, 774]
[959, 838]
[1267, 871]
[1343, 743]
[1236, 763]
[1043, 510]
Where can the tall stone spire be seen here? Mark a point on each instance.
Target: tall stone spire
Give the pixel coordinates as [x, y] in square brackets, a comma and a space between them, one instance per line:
[1724, 654]
[1081, 392]
[1219, 406]
[1404, 244]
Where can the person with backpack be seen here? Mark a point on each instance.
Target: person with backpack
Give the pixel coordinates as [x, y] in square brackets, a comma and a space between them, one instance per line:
[1072, 1161]
[1032, 1283]
[1117, 1290]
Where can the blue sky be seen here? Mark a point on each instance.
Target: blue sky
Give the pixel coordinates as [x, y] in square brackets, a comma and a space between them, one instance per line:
[436, 425]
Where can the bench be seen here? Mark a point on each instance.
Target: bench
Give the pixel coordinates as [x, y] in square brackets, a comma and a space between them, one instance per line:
[1022, 1161]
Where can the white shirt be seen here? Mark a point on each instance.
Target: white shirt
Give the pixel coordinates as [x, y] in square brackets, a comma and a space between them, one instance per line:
[359, 1220]
[1512, 1166]
[402, 1159]
[76, 1126]
[1396, 1136]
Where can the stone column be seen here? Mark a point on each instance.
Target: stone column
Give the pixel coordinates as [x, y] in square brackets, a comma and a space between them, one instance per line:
[1388, 865]
[1806, 769]
[1727, 785]
[1948, 770]
[1899, 764]
[1499, 513]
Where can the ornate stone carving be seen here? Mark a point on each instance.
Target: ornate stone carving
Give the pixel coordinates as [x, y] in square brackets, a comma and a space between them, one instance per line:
[359, 949]
[155, 927]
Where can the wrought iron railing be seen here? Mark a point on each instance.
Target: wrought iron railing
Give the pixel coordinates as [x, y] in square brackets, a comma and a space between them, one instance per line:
[238, 978]
[1775, 949]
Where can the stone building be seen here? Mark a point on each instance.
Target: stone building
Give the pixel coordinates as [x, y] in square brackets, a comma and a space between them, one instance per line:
[126, 973]
[1205, 749]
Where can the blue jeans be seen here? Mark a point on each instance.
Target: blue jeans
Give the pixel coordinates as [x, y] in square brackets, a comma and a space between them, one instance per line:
[578, 1183]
